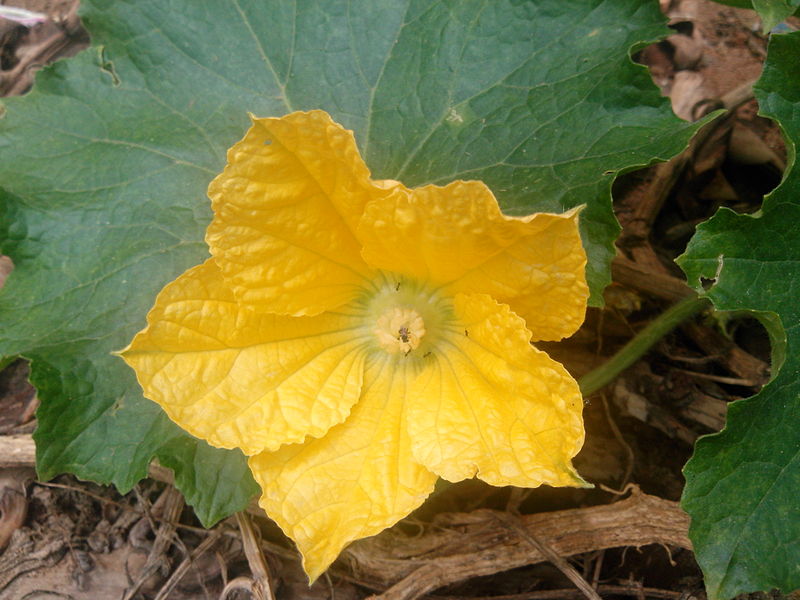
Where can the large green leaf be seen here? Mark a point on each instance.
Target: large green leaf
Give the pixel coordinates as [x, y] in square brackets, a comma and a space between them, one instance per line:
[742, 484]
[104, 166]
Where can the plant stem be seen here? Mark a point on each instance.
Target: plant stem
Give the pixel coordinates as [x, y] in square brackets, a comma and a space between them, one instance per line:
[641, 343]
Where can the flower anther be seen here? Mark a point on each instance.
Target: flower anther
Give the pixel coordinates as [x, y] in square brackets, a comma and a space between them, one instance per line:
[400, 329]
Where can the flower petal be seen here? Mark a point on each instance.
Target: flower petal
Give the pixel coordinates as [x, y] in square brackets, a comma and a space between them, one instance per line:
[285, 211]
[456, 236]
[239, 378]
[492, 404]
[356, 481]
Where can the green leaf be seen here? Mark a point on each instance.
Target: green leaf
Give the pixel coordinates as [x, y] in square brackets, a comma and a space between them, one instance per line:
[215, 483]
[742, 484]
[772, 12]
[104, 165]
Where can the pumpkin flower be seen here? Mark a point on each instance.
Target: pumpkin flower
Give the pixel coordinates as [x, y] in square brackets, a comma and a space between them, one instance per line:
[358, 339]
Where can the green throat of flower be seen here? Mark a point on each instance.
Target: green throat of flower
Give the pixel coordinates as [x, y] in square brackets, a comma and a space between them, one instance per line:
[406, 320]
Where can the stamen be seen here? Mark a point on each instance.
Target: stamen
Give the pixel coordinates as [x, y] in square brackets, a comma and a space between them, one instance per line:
[399, 329]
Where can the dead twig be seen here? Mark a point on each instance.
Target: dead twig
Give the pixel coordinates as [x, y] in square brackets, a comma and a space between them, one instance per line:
[719, 378]
[659, 285]
[562, 565]
[260, 588]
[724, 351]
[598, 567]
[622, 590]
[462, 546]
[165, 534]
[622, 442]
[17, 451]
[180, 571]
[240, 583]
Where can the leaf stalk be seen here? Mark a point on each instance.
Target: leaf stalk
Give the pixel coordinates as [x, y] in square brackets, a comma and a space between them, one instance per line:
[641, 343]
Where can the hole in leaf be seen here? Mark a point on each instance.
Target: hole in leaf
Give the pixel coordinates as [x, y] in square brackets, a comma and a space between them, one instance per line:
[683, 27]
[708, 282]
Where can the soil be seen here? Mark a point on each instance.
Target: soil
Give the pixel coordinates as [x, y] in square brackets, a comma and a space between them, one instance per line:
[626, 538]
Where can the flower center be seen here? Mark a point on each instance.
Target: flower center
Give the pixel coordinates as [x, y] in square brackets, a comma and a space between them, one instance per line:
[399, 329]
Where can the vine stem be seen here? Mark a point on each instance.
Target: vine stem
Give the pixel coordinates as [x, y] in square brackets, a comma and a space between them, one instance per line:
[641, 343]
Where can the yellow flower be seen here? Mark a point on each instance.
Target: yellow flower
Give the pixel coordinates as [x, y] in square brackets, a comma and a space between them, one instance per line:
[357, 338]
